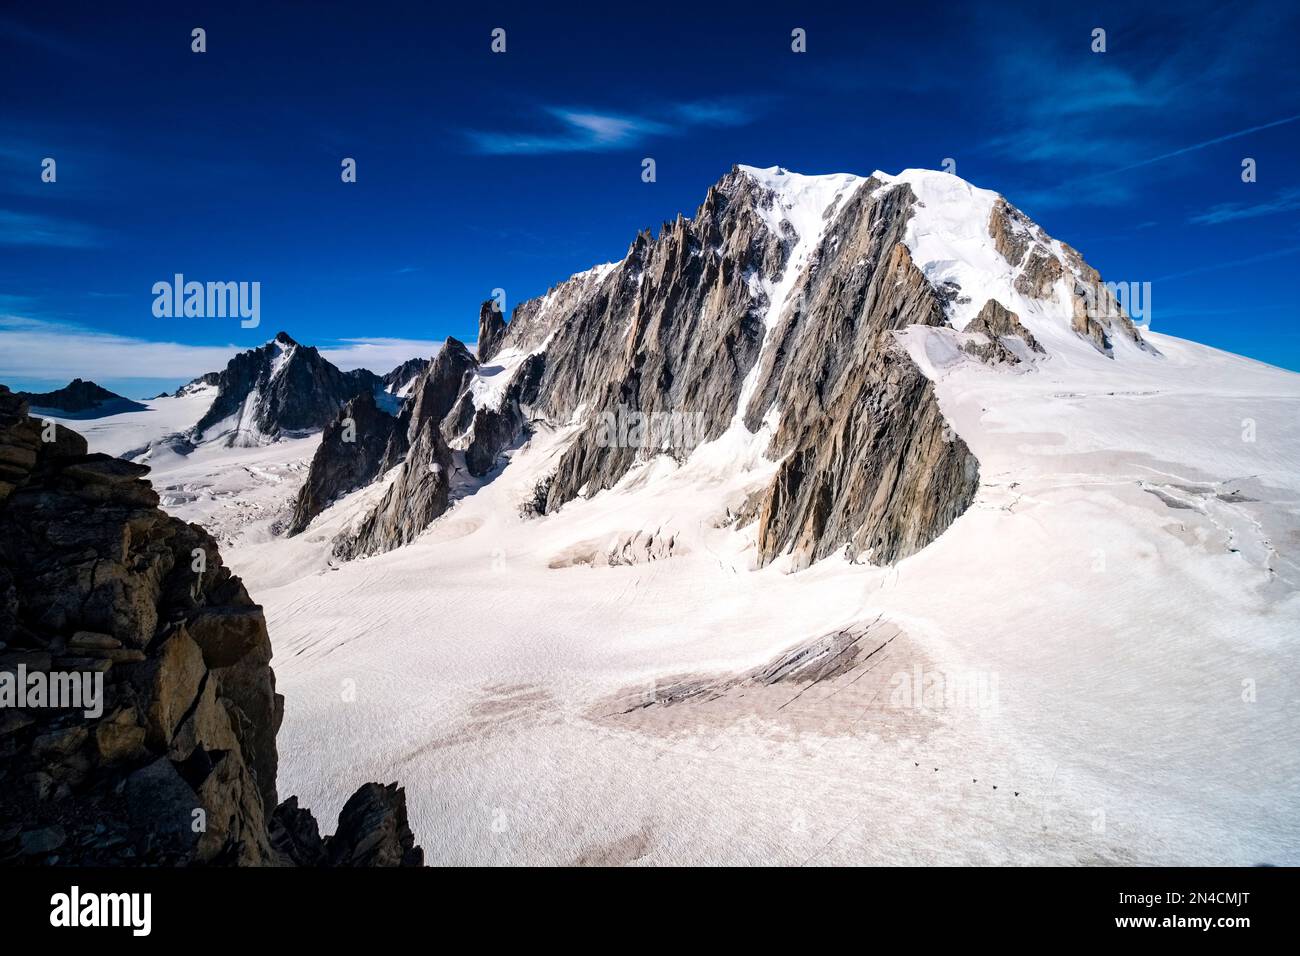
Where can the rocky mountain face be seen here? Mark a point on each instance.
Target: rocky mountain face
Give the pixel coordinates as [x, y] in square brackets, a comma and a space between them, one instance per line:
[173, 761]
[482, 427]
[206, 380]
[773, 313]
[859, 434]
[280, 388]
[421, 490]
[1096, 315]
[353, 452]
[78, 398]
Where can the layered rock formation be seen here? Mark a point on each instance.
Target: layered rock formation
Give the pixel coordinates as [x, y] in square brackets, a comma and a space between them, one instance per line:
[683, 323]
[174, 763]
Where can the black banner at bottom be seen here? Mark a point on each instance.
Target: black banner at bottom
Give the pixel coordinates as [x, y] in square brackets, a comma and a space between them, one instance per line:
[304, 905]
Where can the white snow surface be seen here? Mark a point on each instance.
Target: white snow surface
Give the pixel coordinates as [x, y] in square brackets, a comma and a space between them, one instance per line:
[476, 665]
[1127, 578]
[117, 434]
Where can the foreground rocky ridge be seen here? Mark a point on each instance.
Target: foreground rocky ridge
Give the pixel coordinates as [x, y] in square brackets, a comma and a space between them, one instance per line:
[175, 764]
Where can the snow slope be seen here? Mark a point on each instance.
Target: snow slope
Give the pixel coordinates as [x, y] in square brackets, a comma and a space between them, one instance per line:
[478, 665]
[116, 434]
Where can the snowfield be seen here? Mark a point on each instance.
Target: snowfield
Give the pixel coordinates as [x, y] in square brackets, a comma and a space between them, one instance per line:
[1096, 664]
[1125, 586]
[1142, 653]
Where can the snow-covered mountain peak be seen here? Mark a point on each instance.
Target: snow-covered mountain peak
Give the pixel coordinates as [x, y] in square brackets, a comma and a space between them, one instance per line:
[800, 200]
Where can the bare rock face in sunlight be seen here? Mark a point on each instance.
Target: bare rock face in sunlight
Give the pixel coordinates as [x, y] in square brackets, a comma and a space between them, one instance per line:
[679, 326]
[1023, 244]
[996, 322]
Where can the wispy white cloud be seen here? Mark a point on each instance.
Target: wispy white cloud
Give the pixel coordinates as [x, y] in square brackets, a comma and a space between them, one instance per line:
[1285, 201]
[32, 349]
[1077, 135]
[574, 130]
[1084, 118]
[31, 229]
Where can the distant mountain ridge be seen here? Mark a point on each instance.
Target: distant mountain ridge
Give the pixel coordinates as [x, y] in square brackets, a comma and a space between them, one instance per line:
[81, 399]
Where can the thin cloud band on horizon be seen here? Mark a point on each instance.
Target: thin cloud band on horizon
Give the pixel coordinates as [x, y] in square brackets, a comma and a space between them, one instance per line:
[36, 349]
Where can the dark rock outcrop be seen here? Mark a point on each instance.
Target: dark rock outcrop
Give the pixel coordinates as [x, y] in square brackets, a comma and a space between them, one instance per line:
[174, 763]
[373, 830]
[491, 330]
[353, 450]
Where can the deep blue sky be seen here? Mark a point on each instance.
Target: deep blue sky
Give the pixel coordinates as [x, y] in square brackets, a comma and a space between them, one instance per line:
[479, 170]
